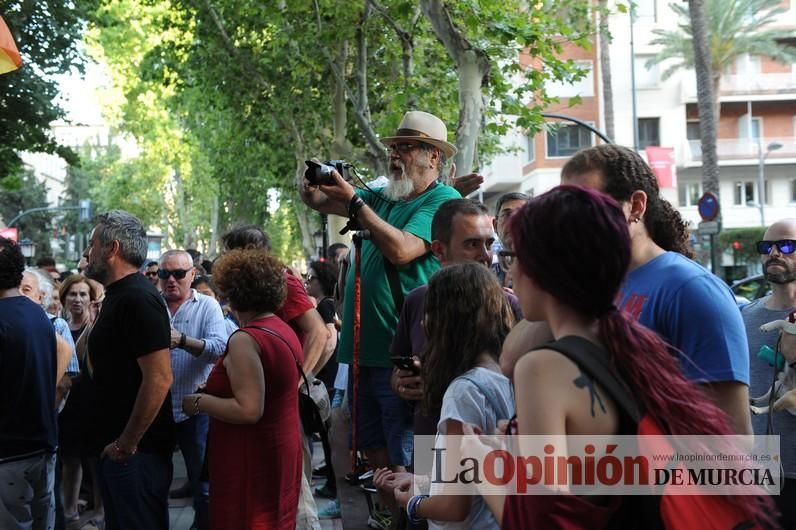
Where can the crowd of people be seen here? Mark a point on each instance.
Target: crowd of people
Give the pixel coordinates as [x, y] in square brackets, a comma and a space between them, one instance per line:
[451, 319]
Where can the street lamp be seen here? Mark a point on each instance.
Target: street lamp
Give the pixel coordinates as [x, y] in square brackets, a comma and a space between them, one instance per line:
[761, 175]
[28, 249]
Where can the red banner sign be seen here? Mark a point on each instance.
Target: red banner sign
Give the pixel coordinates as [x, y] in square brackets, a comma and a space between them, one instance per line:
[9, 233]
[661, 160]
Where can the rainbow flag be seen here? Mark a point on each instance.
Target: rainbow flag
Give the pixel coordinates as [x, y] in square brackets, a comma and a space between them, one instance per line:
[9, 54]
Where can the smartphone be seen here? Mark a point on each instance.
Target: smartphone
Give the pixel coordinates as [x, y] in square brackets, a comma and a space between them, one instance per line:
[405, 363]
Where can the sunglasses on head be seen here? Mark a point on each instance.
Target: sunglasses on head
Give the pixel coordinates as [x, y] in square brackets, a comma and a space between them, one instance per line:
[178, 274]
[785, 246]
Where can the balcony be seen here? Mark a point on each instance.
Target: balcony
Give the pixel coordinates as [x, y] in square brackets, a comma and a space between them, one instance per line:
[755, 86]
[741, 151]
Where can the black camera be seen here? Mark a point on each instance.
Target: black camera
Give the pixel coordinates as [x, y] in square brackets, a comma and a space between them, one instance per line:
[321, 172]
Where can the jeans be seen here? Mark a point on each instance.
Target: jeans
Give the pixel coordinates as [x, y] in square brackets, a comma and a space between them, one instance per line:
[26, 493]
[135, 491]
[192, 439]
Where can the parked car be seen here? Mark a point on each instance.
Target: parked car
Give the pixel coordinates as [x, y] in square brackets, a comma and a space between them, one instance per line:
[750, 288]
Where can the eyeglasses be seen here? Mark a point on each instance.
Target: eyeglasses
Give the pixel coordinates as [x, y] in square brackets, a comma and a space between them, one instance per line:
[402, 148]
[178, 274]
[785, 246]
[505, 259]
[151, 274]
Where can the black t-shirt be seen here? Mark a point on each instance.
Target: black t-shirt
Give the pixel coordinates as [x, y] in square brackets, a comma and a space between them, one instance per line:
[133, 323]
[28, 363]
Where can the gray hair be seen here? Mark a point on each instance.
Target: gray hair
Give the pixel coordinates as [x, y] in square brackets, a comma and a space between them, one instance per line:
[118, 225]
[442, 158]
[46, 286]
[170, 253]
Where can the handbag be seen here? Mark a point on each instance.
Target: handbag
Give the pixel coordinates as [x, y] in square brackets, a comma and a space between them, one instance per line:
[315, 409]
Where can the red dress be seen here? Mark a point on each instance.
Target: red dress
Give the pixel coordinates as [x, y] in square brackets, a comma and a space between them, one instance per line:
[255, 470]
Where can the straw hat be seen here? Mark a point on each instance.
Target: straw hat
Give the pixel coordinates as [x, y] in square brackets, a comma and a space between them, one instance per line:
[422, 127]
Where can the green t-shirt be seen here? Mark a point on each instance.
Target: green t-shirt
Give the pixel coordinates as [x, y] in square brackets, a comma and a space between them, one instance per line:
[378, 314]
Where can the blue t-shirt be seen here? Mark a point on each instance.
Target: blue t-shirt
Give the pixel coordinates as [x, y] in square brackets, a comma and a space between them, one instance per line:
[692, 310]
[27, 378]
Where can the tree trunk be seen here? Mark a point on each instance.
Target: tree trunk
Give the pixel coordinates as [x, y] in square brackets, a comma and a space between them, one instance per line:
[706, 98]
[341, 147]
[212, 247]
[707, 105]
[472, 66]
[304, 214]
[605, 70]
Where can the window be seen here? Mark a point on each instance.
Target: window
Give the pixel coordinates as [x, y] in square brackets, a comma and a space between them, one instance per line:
[583, 87]
[566, 140]
[649, 132]
[645, 10]
[743, 126]
[692, 131]
[689, 193]
[746, 193]
[645, 77]
[530, 149]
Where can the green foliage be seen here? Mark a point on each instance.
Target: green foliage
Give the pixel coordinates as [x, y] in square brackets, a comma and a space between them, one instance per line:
[46, 33]
[747, 237]
[735, 27]
[22, 192]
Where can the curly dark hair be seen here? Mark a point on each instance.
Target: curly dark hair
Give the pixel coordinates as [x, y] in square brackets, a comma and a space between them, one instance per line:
[458, 333]
[12, 264]
[624, 172]
[251, 280]
[327, 273]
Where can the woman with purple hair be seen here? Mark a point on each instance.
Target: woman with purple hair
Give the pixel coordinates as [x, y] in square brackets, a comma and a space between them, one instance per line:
[572, 250]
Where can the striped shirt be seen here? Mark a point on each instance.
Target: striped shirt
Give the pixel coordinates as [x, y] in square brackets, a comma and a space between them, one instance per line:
[199, 317]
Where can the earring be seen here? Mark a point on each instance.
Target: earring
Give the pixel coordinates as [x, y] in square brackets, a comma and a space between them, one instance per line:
[637, 220]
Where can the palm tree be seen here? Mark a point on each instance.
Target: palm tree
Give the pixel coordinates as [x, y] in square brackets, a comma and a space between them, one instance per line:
[735, 28]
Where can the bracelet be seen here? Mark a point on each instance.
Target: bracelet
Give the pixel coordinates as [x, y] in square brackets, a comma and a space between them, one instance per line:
[411, 509]
[196, 405]
[354, 206]
[182, 341]
[121, 451]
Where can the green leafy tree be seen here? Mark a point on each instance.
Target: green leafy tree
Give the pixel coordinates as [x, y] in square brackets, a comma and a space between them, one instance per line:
[23, 192]
[47, 33]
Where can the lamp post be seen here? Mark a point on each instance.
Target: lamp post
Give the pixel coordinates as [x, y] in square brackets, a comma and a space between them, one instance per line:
[761, 175]
[28, 249]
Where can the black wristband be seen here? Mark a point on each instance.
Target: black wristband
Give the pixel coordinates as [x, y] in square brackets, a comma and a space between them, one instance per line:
[182, 341]
[354, 206]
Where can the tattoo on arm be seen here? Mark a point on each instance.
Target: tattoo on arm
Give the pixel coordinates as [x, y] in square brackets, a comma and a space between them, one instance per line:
[584, 381]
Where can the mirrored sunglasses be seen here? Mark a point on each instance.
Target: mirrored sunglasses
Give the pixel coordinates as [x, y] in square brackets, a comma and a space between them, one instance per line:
[785, 246]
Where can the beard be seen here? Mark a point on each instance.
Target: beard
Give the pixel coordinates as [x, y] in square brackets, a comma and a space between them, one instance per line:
[400, 185]
[97, 271]
[785, 276]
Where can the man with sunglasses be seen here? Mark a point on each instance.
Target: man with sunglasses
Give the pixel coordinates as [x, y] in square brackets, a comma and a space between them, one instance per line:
[130, 367]
[151, 273]
[779, 268]
[198, 338]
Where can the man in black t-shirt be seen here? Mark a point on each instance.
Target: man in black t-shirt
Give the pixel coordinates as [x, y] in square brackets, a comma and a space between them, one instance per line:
[28, 427]
[130, 365]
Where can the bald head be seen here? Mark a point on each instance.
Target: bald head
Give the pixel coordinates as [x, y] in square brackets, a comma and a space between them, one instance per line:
[779, 268]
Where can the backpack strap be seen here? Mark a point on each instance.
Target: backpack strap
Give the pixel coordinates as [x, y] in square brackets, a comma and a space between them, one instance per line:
[595, 361]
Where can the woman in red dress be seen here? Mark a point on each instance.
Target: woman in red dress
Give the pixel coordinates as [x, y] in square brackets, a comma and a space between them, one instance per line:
[251, 396]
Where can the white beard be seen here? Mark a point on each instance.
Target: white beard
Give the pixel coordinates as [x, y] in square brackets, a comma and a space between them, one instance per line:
[398, 190]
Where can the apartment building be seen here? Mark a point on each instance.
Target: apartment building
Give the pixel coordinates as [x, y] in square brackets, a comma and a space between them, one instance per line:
[758, 120]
